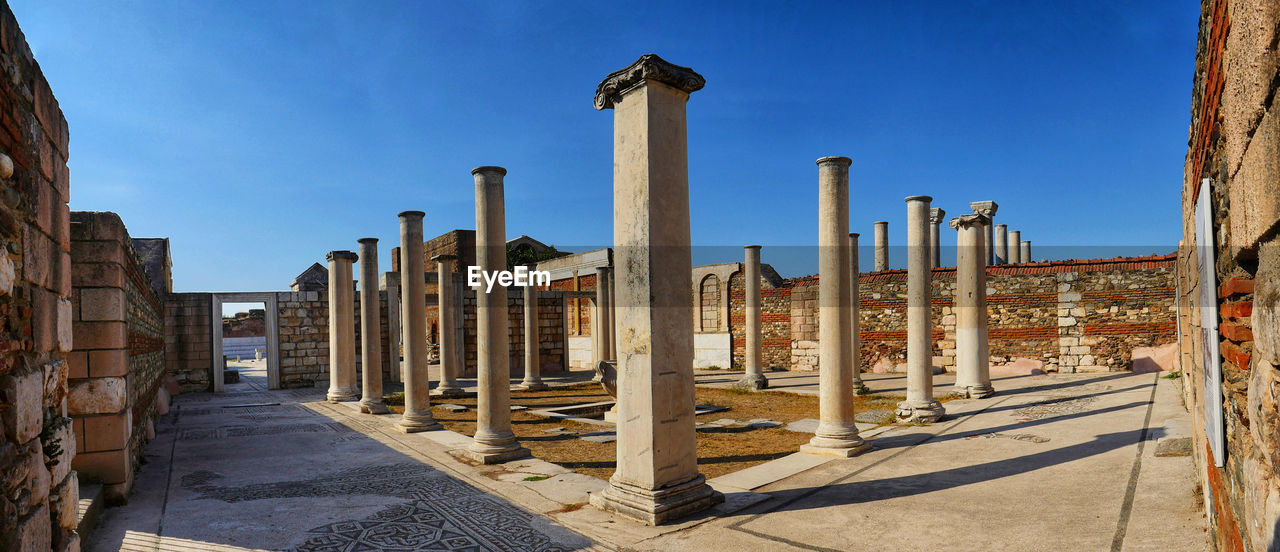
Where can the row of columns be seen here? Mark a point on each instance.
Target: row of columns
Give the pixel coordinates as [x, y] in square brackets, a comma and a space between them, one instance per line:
[1004, 246]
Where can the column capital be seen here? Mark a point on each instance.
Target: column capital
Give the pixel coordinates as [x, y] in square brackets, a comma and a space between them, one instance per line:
[489, 170]
[751, 247]
[834, 160]
[342, 256]
[987, 208]
[964, 221]
[909, 199]
[936, 215]
[372, 241]
[412, 214]
[648, 67]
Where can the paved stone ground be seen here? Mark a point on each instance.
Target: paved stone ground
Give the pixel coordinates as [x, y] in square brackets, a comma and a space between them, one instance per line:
[1053, 461]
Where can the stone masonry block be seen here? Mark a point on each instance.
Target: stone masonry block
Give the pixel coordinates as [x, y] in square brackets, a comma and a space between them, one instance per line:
[108, 362]
[103, 467]
[23, 419]
[68, 494]
[36, 264]
[64, 325]
[100, 335]
[32, 534]
[97, 396]
[102, 304]
[109, 432]
[78, 362]
[1254, 191]
[44, 319]
[96, 274]
[97, 251]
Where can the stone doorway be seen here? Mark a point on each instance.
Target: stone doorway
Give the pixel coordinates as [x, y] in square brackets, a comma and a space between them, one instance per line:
[272, 337]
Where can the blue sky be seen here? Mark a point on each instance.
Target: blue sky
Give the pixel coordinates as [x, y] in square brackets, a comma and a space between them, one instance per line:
[260, 135]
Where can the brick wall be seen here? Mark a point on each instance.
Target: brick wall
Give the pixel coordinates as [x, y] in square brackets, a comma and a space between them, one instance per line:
[1232, 144]
[38, 505]
[1072, 316]
[187, 341]
[118, 362]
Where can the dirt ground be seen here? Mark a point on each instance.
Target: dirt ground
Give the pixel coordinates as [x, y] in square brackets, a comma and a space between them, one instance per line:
[720, 450]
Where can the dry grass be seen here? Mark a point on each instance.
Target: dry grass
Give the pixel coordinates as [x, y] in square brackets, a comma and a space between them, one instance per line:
[720, 451]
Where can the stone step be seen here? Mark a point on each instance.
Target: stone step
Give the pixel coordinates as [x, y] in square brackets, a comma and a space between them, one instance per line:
[92, 502]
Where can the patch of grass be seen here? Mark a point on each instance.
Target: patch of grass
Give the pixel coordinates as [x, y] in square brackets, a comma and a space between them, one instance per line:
[394, 399]
[570, 508]
[536, 478]
[1172, 375]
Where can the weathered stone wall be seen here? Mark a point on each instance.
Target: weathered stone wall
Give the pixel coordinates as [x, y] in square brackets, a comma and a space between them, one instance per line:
[551, 336]
[1071, 316]
[39, 499]
[188, 349]
[1234, 146]
[117, 366]
[303, 319]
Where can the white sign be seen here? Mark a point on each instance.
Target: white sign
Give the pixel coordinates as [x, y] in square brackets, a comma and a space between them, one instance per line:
[1211, 391]
[521, 277]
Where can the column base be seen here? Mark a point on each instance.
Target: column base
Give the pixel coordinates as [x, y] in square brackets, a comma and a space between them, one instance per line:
[497, 455]
[838, 452]
[369, 406]
[342, 394]
[451, 391]
[860, 388]
[755, 382]
[415, 424]
[975, 390]
[927, 413]
[656, 506]
[534, 385]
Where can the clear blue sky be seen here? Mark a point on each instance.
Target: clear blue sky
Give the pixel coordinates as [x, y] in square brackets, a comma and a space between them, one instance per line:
[260, 135]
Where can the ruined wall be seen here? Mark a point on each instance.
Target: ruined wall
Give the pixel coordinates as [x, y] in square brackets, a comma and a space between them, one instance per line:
[1234, 146]
[188, 349]
[303, 318]
[551, 335]
[1071, 316]
[775, 323]
[117, 366]
[40, 492]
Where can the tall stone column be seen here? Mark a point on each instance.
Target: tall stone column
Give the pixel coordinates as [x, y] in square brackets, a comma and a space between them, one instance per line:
[973, 372]
[1015, 252]
[855, 336]
[754, 377]
[342, 328]
[370, 330]
[882, 245]
[413, 321]
[837, 434]
[604, 310]
[936, 215]
[657, 479]
[450, 369]
[612, 317]
[494, 441]
[391, 285]
[920, 405]
[1000, 242]
[1025, 253]
[532, 362]
[987, 209]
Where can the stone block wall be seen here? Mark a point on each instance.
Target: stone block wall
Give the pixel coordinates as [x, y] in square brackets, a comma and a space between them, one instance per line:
[38, 504]
[118, 363]
[188, 348]
[303, 320]
[1071, 315]
[551, 335]
[1234, 149]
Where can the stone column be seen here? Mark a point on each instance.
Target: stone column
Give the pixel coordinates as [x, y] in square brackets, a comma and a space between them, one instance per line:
[882, 245]
[532, 367]
[413, 322]
[604, 307]
[1000, 243]
[987, 209]
[494, 442]
[1025, 254]
[370, 330]
[657, 479]
[973, 373]
[391, 284]
[855, 337]
[920, 405]
[837, 435]
[754, 377]
[936, 215]
[612, 318]
[342, 328]
[1015, 252]
[450, 369]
